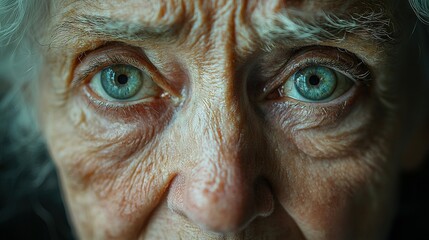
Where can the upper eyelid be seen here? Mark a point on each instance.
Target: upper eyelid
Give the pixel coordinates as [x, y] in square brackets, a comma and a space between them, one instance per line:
[90, 63]
[345, 62]
[349, 71]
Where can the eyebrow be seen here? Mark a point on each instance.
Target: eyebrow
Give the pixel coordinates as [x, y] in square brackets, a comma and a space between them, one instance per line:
[288, 26]
[99, 27]
[277, 29]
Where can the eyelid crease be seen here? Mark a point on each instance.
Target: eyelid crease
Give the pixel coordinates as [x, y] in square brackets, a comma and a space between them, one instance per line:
[91, 63]
[337, 59]
[97, 64]
[94, 61]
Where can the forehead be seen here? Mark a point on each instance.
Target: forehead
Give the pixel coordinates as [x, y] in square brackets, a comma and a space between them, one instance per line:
[164, 10]
[249, 24]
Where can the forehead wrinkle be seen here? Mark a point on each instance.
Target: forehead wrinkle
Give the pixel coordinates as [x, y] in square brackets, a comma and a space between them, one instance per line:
[368, 21]
[82, 21]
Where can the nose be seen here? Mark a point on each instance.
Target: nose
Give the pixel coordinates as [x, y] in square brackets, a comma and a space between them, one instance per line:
[220, 201]
[221, 194]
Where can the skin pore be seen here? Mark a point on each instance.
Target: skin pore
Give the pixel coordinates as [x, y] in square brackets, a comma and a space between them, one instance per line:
[218, 149]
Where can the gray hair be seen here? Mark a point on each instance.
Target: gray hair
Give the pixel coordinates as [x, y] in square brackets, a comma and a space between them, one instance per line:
[22, 148]
[23, 157]
[421, 8]
[19, 21]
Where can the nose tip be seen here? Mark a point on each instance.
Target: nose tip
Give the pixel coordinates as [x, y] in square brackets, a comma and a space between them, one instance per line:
[221, 205]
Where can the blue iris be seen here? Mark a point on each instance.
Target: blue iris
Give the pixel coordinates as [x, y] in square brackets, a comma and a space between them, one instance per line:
[121, 81]
[315, 83]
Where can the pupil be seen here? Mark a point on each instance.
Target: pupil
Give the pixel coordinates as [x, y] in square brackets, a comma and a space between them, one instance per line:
[122, 79]
[314, 80]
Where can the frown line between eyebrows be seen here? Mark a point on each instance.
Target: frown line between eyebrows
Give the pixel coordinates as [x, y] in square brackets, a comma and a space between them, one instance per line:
[283, 28]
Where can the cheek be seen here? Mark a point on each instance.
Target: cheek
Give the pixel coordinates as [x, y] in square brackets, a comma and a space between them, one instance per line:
[344, 138]
[110, 167]
[353, 194]
[337, 173]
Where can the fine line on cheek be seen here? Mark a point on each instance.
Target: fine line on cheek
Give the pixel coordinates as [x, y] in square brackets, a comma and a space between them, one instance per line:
[325, 132]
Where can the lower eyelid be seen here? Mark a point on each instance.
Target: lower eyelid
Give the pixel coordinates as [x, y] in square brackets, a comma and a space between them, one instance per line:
[113, 103]
[350, 66]
[291, 112]
[149, 110]
[344, 100]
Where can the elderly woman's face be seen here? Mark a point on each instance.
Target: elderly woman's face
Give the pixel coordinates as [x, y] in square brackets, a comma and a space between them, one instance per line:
[223, 119]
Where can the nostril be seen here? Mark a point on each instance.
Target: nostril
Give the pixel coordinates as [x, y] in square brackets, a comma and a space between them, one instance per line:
[264, 198]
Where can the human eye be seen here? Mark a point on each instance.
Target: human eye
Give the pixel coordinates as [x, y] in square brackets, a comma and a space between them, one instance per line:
[313, 87]
[124, 83]
[117, 75]
[318, 76]
[316, 84]
[119, 81]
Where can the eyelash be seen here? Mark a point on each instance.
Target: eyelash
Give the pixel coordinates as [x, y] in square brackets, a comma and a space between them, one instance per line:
[98, 63]
[356, 69]
[349, 71]
[89, 64]
[352, 67]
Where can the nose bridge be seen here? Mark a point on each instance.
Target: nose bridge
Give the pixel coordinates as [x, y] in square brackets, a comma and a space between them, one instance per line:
[221, 190]
[221, 161]
[224, 126]
[219, 107]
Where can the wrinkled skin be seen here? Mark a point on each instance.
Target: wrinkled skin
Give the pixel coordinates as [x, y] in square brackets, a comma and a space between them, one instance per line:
[214, 155]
